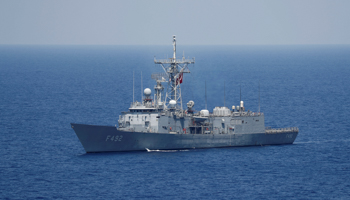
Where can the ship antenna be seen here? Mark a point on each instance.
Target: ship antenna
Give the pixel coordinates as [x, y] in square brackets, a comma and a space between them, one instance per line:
[240, 98]
[141, 87]
[174, 70]
[133, 86]
[224, 94]
[174, 47]
[206, 95]
[240, 92]
[259, 96]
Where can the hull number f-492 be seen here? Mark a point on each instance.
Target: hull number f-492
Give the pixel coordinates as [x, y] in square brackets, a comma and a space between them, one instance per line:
[116, 138]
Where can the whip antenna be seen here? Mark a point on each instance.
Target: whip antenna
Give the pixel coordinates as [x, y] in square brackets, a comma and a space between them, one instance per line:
[206, 95]
[259, 96]
[224, 94]
[240, 92]
[133, 86]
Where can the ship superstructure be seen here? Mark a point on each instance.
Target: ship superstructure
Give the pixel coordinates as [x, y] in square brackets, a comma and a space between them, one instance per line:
[160, 122]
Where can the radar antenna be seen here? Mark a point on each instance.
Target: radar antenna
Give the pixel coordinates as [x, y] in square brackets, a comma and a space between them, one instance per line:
[159, 78]
[174, 69]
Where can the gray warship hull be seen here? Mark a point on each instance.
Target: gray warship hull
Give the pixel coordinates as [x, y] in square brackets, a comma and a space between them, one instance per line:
[107, 139]
[161, 123]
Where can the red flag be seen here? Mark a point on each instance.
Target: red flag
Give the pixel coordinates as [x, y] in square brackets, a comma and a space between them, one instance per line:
[179, 79]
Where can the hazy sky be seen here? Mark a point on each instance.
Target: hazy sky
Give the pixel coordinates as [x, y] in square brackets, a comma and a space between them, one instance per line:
[152, 22]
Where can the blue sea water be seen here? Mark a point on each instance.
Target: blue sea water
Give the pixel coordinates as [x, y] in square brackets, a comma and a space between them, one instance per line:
[45, 88]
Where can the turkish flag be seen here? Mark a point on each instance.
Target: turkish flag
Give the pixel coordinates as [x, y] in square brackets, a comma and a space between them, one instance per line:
[179, 79]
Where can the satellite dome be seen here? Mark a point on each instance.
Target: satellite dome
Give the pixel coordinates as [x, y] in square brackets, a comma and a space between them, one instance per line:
[204, 113]
[172, 103]
[147, 92]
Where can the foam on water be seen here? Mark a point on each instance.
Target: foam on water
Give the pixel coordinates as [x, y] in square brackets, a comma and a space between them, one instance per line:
[157, 150]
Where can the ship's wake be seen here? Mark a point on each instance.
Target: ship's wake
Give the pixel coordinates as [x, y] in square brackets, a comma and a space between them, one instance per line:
[323, 141]
[157, 150]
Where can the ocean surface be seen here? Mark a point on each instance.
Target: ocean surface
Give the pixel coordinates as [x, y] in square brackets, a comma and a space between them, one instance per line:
[45, 88]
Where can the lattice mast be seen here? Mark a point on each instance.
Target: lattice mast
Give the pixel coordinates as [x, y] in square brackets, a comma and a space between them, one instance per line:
[174, 70]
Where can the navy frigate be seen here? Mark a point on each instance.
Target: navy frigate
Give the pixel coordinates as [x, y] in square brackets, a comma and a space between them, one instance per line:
[161, 123]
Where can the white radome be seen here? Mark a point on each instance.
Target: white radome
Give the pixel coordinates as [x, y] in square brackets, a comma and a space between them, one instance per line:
[172, 103]
[147, 92]
[205, 113]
